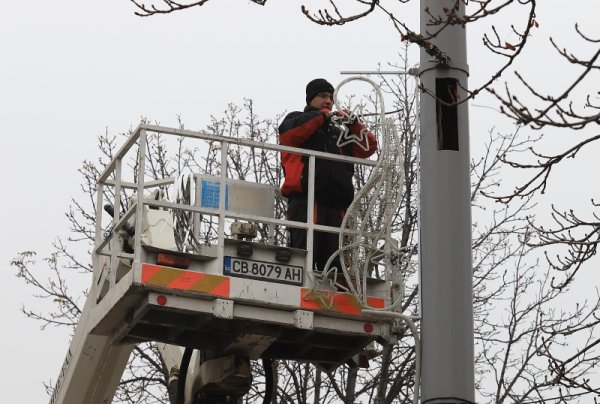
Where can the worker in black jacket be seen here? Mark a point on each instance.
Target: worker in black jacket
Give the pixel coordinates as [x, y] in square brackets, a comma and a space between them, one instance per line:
[312, 129]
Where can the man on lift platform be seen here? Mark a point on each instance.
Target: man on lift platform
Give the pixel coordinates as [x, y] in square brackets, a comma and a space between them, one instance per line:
[313, 129]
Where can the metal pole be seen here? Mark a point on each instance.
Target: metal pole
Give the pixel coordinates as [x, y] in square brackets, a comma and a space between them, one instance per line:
[98, 236]
[139, 208]
[445, 218]
[222, 203]
[115, 248]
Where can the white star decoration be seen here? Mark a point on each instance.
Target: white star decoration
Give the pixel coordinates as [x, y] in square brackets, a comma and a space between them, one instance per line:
[346, 137]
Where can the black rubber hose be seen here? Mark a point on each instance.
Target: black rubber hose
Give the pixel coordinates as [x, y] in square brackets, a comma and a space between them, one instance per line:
[269, 377]
[183, 368]
[126, 226]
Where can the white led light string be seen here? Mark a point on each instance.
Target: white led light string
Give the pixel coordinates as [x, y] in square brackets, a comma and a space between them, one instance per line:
[384, 188]
[358, 245]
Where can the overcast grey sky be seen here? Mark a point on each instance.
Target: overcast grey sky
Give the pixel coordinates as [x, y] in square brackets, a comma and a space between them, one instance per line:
[71, 69]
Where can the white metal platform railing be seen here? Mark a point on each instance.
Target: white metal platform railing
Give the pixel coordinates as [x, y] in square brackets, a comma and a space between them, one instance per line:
[140, 184]
[133, 298]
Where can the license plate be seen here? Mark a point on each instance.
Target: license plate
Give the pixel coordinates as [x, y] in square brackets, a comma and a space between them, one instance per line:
[265, 271]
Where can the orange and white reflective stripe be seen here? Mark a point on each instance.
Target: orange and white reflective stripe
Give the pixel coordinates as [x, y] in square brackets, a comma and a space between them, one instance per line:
[337, 302]
[172, 278]
[257, 291]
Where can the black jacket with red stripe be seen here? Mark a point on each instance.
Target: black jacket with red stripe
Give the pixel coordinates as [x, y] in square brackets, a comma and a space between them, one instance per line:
[333, 179]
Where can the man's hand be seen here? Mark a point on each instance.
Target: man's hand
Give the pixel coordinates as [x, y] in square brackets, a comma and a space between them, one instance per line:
[327, 112]
[344, 116]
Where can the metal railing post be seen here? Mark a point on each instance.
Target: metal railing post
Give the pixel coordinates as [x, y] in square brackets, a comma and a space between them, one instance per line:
[310, 213]
[139, 208]
[115, 248]
[95, 289]
[222, 201]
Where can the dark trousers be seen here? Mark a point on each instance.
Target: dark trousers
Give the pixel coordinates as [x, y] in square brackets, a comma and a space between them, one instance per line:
[324, 244]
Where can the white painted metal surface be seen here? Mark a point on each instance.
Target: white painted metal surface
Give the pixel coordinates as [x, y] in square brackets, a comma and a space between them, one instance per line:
[132, 299]
[93, 365]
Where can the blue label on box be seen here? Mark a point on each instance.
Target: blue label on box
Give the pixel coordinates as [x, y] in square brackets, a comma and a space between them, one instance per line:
[210, 194]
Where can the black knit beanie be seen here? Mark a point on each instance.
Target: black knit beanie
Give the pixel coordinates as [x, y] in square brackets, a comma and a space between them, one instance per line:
[317, 86]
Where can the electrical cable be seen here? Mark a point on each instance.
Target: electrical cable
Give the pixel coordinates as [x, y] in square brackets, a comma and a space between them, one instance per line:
[183, 368]
[183, 221]
[269, 379]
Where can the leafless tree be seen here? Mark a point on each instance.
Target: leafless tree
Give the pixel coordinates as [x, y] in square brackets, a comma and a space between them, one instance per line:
[557, 109]
[537, 339]
[573, 107]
